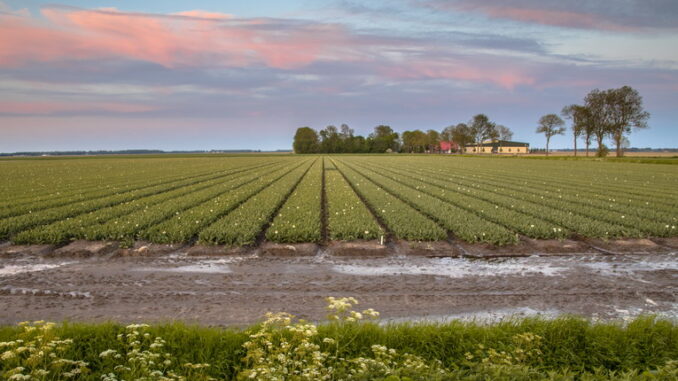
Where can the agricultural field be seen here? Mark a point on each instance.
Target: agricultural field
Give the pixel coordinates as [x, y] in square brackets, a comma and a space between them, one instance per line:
[249, 199]
[492, 268]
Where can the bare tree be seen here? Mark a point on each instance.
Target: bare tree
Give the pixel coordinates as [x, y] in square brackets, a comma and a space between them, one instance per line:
[578, 116]
[446, 134]
[550, 125]
[504, 132]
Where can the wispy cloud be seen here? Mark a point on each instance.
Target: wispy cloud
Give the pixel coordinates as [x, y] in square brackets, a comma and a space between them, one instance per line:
[187, 39]
[626, 16]
[389, 62]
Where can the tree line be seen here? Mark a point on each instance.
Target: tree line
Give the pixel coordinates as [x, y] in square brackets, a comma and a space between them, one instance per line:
[611, 113]
[605, 114]
[383, 139]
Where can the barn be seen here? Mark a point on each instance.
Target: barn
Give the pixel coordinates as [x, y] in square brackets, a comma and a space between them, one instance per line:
[499, 147]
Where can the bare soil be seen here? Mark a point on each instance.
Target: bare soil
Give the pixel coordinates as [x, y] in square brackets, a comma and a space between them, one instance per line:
[405, 282]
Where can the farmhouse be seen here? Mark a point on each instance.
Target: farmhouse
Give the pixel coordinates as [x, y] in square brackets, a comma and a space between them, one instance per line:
[498, 146]
[448, 147]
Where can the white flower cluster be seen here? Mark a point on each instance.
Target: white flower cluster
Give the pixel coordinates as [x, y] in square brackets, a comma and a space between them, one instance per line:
[37, 353]
[285, 349]
[144, 358]
[340, 310]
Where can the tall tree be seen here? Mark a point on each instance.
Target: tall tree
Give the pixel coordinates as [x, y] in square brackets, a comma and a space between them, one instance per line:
[579, 116]
[330, 140]
[346, 137]
[446, 134]
[481, 128]
[414, 141]
[305, 140]
[462, 135]
[384, 138]
[504, 132]
[596, 102]
[550, 125]
[625, 111]
[432, 140]
[407, 142]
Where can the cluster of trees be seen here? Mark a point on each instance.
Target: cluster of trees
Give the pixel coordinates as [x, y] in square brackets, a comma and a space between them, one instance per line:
[478, 129]
[611, 113]
[384, 139]
[343, 140]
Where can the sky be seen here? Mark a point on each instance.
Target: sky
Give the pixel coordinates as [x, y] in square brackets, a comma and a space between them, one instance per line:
[202, 75]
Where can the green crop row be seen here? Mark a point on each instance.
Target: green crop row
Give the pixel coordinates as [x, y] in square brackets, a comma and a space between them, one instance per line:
[12, 225]
[403, 220]
[513, 218]
[74, 179]
[106, 190]
[463, 224]
[299, 218]
[606, 182]
[90, 225]
[187, 224]
[231, 200]
[126, 228]
[347, 217]
[645, 207]
[242, 225]
[498, 204]
[586, 221]
[654, 222]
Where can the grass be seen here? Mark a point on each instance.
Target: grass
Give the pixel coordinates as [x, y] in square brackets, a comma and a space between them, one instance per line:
[569, 344]
[671, 160]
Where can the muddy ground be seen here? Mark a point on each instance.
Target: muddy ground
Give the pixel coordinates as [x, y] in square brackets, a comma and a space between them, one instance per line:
[185, 284]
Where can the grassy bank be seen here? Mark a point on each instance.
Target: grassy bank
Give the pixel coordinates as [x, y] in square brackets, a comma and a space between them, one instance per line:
[519, 349]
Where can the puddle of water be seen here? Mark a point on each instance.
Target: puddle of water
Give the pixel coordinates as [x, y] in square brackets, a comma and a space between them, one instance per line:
[36, 291]
[18, 269]
[453, 268]
[490, 316]
[625, 268]
[218, 266]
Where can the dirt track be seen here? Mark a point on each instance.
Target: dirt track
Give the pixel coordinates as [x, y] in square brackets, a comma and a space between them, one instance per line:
[237, 290]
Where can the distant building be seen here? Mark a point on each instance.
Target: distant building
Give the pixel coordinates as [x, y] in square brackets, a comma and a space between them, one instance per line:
[448, 147]
[498, 146]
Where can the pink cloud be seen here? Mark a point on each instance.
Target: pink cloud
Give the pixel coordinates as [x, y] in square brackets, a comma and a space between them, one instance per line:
[186, 39]
[205, 14]
[500, 74]
[203, 39]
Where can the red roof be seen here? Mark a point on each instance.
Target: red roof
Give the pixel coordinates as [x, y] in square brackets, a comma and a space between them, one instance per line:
[444, 146]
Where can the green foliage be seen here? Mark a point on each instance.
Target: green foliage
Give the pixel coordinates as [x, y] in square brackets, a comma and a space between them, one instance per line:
[415, 197]
[186, 224]
[133, 214]
[299, 218]
[347, 217]
[405, 221]
[36, 353]
[242, 225]
[602, 151]
[349, 347]
[465, 225]
[305, 140]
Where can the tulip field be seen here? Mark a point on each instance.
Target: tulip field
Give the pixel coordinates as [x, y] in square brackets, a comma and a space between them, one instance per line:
[243, 200]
